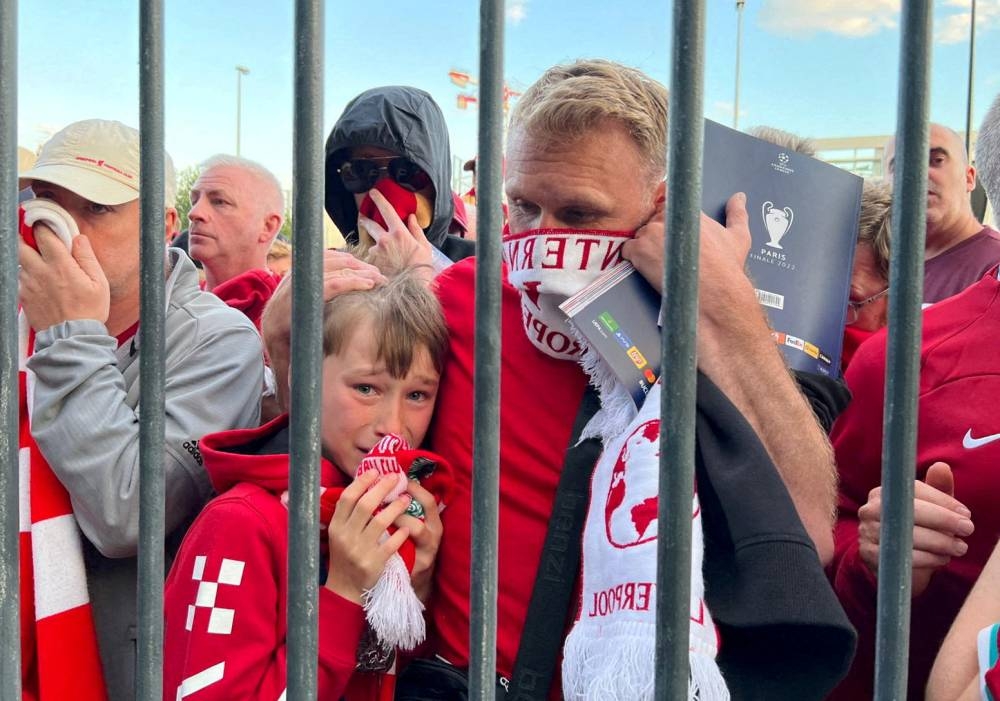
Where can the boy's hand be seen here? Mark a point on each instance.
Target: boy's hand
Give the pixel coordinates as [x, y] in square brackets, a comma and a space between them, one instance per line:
[426, 535]
[357, 558]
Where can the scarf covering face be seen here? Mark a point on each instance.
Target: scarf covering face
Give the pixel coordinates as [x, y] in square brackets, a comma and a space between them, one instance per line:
[404, 201]
[59, 653]
[547, 266]
[394, 613]
[609, 653]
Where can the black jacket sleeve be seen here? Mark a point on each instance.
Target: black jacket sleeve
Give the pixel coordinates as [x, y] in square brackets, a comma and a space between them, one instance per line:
[784, 634]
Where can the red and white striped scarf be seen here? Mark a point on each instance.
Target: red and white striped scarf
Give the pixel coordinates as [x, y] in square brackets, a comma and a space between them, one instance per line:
[59, 653]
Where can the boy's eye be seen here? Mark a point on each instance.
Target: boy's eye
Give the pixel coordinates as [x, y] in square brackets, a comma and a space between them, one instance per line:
[95, 208]
[364, 389]
[418, 396]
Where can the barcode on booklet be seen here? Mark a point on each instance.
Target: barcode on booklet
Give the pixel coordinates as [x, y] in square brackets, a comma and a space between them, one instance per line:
[770, 299]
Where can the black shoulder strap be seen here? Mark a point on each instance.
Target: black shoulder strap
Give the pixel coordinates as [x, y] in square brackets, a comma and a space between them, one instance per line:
[542, 636]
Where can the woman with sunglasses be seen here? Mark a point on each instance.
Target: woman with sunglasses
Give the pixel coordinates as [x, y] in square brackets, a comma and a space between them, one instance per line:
[388, 171]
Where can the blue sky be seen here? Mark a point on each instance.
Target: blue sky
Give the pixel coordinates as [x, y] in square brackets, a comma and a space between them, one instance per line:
[821, 68]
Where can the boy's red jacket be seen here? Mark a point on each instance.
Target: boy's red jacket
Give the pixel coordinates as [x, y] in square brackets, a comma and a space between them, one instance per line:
[225, 602]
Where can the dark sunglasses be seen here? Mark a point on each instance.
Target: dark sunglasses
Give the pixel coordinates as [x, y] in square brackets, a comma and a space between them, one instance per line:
[360, 174]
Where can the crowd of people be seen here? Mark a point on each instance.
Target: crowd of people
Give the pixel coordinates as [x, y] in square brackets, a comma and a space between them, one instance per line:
[786, 507]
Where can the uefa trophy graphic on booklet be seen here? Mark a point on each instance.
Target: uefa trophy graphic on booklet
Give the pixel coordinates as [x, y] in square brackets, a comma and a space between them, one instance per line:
[777, 221]
[801, 277]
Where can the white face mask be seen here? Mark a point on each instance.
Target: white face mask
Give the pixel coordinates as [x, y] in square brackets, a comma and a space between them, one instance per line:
[548, 266]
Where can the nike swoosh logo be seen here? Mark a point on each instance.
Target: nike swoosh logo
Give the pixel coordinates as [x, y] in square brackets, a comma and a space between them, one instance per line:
[969, 442]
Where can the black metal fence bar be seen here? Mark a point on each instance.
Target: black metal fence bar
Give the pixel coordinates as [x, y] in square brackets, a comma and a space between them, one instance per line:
[307, 356]
[10, 633]
[486, 421]
[152, 312]
[677, 405]
[903, 369]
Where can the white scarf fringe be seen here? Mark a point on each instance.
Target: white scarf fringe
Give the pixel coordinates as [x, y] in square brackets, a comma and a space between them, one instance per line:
[625, 666]
[392, 608]
[617, 408]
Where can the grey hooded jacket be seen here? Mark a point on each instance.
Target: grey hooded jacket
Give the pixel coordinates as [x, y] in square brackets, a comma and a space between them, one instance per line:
[408, 121]
[85, 420]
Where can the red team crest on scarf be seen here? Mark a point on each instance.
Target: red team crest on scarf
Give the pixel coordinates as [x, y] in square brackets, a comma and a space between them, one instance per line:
[610, 652]
[630, 513]
[547, 266]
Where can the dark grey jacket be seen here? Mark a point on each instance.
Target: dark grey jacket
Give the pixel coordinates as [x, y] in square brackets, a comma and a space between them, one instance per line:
[408, 121]
[85, 419]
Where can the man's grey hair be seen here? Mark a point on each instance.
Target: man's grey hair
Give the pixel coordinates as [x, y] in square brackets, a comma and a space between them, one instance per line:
[785, 139]
[275, 198]
[988, 152]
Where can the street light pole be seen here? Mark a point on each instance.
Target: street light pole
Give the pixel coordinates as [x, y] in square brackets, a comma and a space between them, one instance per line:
[739, 46]
[240, 72]
[972, 63]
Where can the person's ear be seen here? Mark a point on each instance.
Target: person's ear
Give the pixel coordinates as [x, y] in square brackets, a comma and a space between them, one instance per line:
[659, 199]
[970, 178]
[272, 225]
[171, 224]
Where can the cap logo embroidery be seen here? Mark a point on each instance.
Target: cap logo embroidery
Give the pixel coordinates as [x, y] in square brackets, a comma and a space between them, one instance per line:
[102, 164]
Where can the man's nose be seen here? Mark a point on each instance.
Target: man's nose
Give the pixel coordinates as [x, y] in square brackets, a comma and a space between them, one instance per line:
[196, 211]
[549, 220]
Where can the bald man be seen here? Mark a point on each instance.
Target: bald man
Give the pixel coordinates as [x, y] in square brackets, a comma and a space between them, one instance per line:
[959, 250]
[237, 208]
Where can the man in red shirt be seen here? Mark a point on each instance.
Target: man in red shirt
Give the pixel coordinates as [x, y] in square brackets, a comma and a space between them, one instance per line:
[955, 529]
[585, 186]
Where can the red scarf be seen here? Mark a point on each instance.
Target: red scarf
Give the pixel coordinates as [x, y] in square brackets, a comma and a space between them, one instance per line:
[59, 654]
[439, 483]
[393, 612]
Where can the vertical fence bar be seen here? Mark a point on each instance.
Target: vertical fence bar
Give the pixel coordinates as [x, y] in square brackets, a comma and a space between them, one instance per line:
[307, 356]
[677, 405]
[486, 392]
[899, 452]
[152, 312]
[10, 633]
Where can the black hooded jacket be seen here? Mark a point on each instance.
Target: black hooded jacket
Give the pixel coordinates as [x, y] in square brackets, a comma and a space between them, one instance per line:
[408, 121]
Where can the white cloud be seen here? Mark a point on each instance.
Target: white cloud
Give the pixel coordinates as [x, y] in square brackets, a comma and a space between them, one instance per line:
[953, 28]
[34, 135]
[722, 112]
[854, 18]
[517, 11]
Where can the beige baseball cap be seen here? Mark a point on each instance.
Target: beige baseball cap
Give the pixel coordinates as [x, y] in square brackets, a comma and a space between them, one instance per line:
[97, 159]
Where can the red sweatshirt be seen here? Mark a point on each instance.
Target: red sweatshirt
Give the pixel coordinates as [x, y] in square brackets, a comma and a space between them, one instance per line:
[540, 398]
[249, 292]
[225, 603]
[959, 386]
